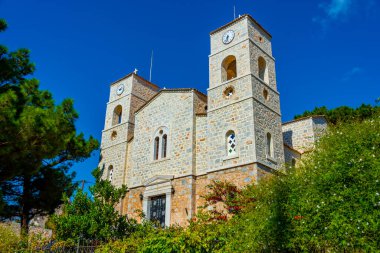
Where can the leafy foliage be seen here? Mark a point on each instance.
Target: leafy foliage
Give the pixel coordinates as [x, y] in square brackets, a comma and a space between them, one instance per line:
[222, 199]
[343, 113]
[14, 66]
[9, 239]
[330, 202]
[94, 218]
[337, 192]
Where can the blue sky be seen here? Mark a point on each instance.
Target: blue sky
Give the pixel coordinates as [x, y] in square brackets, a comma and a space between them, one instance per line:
[327, 51]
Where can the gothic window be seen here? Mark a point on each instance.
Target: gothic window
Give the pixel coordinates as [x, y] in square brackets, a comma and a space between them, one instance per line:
[263, 72]
[110, 173]
[156, 147]
[160, 146]
[231, 143]
[229, 68]
[164, 145]
[117, 115]
[269, 145]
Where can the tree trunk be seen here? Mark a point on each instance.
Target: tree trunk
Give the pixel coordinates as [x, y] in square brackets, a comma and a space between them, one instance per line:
[25, 207]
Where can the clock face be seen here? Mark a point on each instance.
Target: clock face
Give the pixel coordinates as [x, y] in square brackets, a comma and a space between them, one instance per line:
[228, 36]
[120, 89]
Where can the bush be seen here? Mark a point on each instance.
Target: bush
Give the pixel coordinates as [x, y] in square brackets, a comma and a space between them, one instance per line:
[336, 194]
[9, 240]
[330, 202]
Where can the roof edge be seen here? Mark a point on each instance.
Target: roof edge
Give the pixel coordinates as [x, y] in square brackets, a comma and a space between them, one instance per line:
[138, 77]
[293, 149]
[169, 90]
[304, 118]
[237, 20]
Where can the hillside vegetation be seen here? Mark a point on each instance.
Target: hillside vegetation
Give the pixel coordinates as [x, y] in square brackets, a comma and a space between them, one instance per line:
[329, 202]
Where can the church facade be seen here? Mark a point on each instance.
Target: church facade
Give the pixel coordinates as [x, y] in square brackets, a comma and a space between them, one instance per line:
[167, 145]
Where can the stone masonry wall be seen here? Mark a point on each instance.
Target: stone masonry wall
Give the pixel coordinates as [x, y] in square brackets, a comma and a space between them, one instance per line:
[267, 121]
[188, 191]
[291, 154]
[237, 117]
[201, 145]
[115, 157]
[259, 37]
[255, 53]
[173, 110]
[301, 134]
[115, 136]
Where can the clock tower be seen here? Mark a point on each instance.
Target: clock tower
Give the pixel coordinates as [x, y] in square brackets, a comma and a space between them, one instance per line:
[126, 96]
[244, 118]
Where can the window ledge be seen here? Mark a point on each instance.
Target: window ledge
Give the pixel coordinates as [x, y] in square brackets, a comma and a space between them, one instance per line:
[271, 159]
[160, 160]
[230, 157]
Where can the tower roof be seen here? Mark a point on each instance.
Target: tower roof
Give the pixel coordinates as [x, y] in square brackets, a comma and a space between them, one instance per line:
[237, 20]
[138, 77]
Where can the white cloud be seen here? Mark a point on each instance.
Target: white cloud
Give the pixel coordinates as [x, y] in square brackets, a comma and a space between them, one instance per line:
[351, 73]
[341, 10]
[337, 8]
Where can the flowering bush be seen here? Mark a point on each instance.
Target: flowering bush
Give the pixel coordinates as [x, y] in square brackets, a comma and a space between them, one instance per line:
[330, 202]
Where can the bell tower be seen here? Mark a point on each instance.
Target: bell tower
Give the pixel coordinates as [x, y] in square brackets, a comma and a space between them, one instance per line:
[244, 119]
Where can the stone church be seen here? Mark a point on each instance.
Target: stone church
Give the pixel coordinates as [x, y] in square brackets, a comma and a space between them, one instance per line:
[167, 145]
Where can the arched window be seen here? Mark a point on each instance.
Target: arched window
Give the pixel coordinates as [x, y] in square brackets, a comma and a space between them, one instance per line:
[117, 115]
[269, 145]
[160, 146]
[229, 68]
[110, 173]
[164, 145]
[231, 143]
[156, 147]
[263, 72]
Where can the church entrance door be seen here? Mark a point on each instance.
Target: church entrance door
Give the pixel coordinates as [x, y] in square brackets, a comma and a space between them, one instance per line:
[157, 209]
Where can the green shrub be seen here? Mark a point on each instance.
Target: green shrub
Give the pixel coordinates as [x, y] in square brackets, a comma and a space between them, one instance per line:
[330, 202]
[336, 194]
[9, 240]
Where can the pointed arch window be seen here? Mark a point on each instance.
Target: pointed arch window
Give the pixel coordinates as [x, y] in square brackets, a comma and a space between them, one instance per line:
[231, 143]
[229, 68]
[117, 115]
[160, 145]
[263, 70]
[269, 145]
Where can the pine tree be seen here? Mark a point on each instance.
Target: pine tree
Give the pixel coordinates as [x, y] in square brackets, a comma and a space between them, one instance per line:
[38, 142]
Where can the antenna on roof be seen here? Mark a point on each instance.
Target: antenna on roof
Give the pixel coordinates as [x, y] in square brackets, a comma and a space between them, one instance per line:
[234, 12]
[151, 67]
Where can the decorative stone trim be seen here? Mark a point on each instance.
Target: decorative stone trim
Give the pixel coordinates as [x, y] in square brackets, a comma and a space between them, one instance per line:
[243, 99]
[249, 39]
[238, 77]
[271, 159]
[156, 186]
[130, 94]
